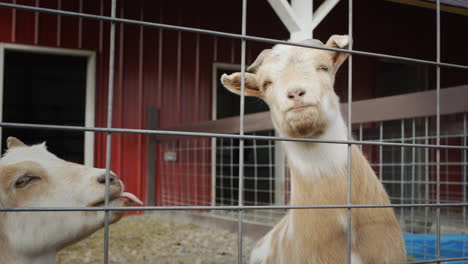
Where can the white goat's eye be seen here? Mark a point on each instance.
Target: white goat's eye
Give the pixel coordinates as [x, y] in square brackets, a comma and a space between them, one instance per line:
[266, 84]
[323, 68]
[25, 180]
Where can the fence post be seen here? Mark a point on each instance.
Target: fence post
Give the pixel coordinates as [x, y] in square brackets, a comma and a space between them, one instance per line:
[151, 157]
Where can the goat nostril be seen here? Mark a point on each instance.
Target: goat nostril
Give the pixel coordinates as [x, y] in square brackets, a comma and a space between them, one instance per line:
[301, 93]
[102, 179]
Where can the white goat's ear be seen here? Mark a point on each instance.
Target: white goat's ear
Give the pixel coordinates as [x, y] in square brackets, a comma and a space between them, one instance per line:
[259, 60]
[13, 142]
[340, 42]
[233, 83]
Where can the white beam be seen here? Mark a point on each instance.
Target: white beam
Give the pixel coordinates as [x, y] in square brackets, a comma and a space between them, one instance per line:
[303, 10]
[323, 10]
[299, 18]
[286, 14]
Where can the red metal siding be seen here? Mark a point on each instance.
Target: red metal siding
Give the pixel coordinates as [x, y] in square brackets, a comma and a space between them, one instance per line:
[169, 70]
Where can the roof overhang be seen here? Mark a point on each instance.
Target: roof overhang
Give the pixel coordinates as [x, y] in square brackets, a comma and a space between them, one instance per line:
[449, 6]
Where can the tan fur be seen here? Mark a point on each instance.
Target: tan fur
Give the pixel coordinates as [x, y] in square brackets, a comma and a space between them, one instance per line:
[318, 235]
[297, 84]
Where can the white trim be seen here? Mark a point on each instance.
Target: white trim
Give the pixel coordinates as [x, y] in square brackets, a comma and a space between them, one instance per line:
[286, 14]
[2, 65]
[323, 10]
[90, 86]
[299, 18]
[296, 17]
[216, 66]
[279, 160]
[304, 11]
[214, 96]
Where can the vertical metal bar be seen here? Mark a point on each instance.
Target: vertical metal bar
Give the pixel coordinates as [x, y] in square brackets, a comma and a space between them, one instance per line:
[151, 158]
[80, 25]
[160, 57]
[101, 26]
[270, 170]
[446, 177]
[203, 160]
[381, 151]
[402, 171]
[197, 78]
[464, 179]
[254, 149]
[221, 167]
[109, 125]
[178, 105]
[186, 176]
[36, 24]
[426, 170]
[196, 170]
[360, 135]
[231, 167]
[438, 127]
[350, 100]
[13, 23]
[271, 176]
[241, 129]
[120, 85]
[59, 24]
[413, 171]
[141, 102]
[464, 168]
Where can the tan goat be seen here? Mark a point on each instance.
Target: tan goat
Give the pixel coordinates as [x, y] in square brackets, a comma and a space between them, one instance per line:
[297, 84]
[30, 176]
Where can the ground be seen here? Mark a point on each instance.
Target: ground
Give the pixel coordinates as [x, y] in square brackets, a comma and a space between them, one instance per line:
[150, 238]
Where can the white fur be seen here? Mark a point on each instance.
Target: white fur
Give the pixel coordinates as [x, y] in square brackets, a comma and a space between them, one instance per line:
[355, 259]
[323, 158]
[262, 252]
[36, 237]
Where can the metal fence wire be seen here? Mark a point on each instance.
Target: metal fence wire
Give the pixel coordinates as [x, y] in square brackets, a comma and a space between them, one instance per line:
[406, 153]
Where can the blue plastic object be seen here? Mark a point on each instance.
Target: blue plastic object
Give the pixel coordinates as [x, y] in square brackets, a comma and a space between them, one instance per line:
[423, 246]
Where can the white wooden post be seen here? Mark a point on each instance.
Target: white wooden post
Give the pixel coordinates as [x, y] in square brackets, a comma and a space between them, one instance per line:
[299, 17]
[300, 20]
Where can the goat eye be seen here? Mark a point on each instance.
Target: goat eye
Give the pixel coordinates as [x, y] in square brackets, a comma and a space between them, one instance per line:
[323, 68]
[25, 180]
[266, 84]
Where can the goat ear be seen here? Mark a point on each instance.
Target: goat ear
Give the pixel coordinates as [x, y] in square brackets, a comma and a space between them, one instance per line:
[341, 42]
[13, 142]
[233, 83]
[259, 60]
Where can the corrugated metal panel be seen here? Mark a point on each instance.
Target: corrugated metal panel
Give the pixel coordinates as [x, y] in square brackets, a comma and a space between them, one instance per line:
[456, 3]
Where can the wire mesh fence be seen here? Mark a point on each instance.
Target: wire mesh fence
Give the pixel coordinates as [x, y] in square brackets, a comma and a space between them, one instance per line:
[422, 165]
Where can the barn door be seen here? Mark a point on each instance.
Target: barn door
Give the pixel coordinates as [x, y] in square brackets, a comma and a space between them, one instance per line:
[49, 89]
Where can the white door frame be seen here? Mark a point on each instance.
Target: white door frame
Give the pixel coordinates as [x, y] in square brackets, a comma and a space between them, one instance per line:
[90, 86]
[214, 113]
[279, 151]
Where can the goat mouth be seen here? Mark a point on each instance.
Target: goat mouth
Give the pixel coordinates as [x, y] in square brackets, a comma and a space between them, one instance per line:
[299, 107]
[125, 196]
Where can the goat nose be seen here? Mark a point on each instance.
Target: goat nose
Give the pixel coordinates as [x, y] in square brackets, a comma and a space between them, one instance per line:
[296, 93]
[112, 179]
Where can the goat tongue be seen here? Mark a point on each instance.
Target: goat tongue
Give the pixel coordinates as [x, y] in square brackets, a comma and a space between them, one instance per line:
[131, 197]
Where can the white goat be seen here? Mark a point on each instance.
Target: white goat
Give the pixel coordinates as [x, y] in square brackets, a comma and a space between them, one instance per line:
[30, 176]
[297, 84]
